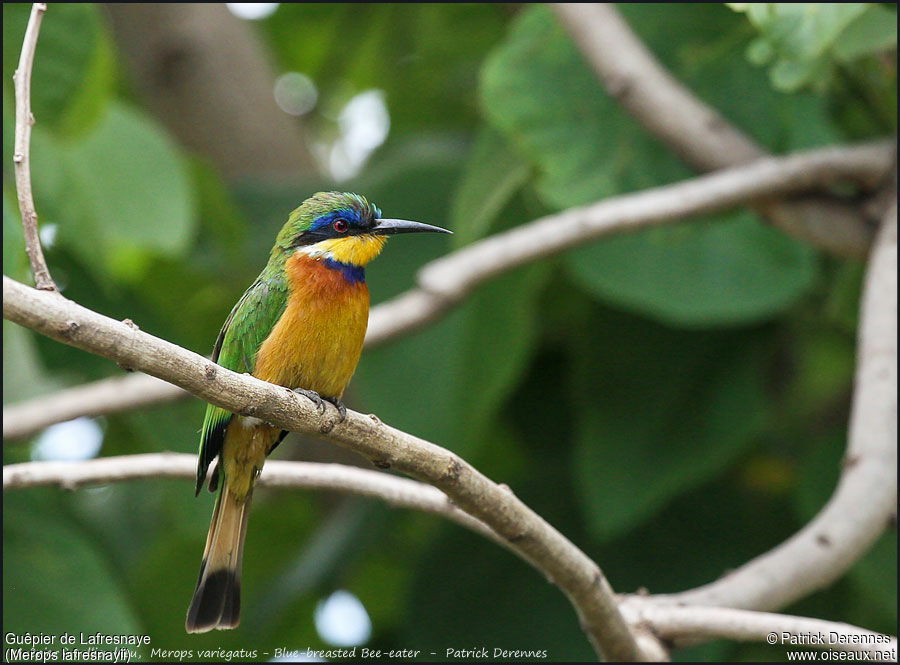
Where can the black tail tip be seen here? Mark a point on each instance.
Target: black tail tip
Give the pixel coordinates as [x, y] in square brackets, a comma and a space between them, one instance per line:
[216, 602]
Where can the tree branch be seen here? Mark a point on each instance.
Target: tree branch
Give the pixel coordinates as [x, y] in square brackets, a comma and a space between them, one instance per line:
[400, 492]
[864, 503]
[673, 624]
[454, 276]
[690, 624]
[445, 282]
[22, 150]
[97, 398]
[637, 81]
[696, 131]
[533, 538]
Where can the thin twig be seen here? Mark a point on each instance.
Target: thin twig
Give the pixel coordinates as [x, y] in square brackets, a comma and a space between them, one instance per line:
[533, 538]
[22, 150]
[397, 491]
[864, 503]
[446, 281]
[97, 398]
[696, 131]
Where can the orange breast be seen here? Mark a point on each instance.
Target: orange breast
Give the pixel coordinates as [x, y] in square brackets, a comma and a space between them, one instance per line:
[317, 342]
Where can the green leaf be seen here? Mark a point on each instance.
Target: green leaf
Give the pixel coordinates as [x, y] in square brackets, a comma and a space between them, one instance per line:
[128, 195]
[493, 174]
[660, 411]
[537, 89]
[873, 31]
[723, 272]
[95, 90]
[805, 40]
[523, 85]
[587, 148]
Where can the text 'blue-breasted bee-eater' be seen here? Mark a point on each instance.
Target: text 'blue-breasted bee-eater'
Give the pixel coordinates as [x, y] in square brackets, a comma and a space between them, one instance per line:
[301, 324]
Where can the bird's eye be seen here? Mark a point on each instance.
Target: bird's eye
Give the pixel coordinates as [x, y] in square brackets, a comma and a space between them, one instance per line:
[341, 225]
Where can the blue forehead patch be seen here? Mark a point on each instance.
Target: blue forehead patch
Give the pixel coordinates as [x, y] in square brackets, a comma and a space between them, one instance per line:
[349, 214]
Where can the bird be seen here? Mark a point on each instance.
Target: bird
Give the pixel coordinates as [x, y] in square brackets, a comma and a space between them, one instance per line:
[301, 324]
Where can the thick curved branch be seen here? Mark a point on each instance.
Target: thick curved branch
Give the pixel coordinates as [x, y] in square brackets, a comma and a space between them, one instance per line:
[22, 150]
[445, 282]
[533, 538]
[696, 131]
[675, 624]
[865, 501]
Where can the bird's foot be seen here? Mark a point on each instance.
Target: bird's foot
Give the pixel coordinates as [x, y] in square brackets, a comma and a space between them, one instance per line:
[339, 405]
[319, 401]
[312, 396]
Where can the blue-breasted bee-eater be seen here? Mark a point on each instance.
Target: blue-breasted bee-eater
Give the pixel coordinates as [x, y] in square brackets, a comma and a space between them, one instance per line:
[301, 324]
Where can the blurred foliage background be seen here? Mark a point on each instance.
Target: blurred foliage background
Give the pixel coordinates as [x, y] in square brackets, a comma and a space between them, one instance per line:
[674, 401]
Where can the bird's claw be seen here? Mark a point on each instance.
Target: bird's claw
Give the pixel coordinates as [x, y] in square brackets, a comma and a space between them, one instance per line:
[313, 397]
[339, 405]
[319, 401]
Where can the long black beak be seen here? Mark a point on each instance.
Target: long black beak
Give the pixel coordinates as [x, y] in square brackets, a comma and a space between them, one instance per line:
[389, 227]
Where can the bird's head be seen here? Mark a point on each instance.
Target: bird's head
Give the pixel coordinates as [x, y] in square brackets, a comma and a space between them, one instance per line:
[342, 227]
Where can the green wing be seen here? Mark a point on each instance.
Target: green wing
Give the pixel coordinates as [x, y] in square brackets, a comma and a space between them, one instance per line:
[246, 328]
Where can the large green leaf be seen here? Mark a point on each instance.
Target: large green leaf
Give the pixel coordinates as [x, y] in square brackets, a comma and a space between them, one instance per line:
[537, 89]
[660, 411]
[729, 270]
[124, 194]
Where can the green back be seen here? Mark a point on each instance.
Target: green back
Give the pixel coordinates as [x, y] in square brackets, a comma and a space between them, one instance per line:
[249, 324]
